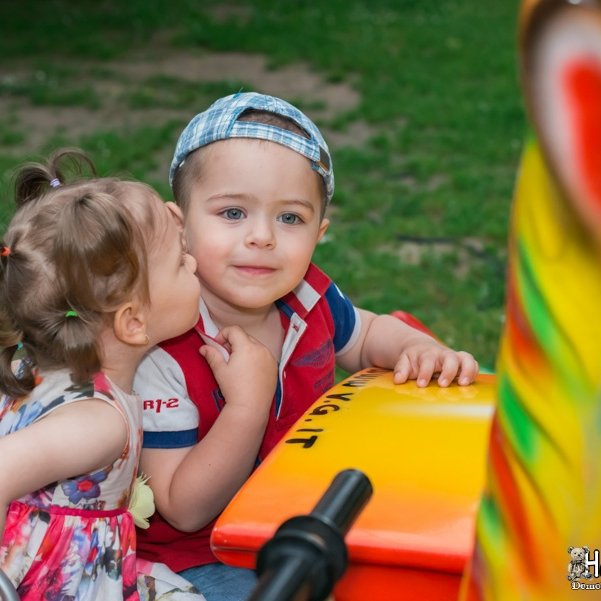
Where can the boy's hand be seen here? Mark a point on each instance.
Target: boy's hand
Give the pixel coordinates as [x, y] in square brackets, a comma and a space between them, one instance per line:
[426, 358]
[387, 342]
[248, 378]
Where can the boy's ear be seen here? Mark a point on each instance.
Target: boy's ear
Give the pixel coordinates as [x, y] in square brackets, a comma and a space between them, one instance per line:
[129, 324]
[323, 228]
[177, 214]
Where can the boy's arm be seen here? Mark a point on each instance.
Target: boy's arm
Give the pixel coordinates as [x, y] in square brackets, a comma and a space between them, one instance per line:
[387, 342]
[193, 484]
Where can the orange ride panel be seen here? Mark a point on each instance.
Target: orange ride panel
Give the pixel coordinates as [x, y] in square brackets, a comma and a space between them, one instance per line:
[423, 450]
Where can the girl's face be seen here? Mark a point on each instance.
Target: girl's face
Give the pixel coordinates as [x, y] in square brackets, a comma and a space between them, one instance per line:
[173, 285]
[253, 221]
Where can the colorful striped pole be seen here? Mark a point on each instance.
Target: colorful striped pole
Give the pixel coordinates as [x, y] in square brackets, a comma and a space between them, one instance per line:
[542, 498]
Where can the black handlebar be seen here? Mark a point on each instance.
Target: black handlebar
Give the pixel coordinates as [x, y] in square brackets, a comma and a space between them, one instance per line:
[307, 554]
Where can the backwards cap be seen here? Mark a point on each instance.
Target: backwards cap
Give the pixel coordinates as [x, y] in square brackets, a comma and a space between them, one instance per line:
[220, 122]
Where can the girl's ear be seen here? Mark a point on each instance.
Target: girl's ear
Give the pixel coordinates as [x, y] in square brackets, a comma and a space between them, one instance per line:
[129, 324]
[176, 213]
[323, 228]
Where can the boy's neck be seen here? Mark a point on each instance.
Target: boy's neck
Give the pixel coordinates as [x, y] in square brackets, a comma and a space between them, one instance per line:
[263, 323]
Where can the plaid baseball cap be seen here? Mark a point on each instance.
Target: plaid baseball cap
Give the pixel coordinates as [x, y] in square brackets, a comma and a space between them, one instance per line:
[221, 122]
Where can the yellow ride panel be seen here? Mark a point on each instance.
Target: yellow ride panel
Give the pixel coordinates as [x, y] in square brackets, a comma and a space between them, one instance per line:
[423, 450]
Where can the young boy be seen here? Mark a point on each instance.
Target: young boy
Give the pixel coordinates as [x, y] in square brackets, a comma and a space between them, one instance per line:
[253, 176]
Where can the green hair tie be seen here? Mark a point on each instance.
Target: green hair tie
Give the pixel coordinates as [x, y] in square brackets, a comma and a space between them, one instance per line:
[71, 313]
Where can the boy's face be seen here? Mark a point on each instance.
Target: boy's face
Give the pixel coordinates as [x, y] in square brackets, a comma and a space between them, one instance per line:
[253, 221]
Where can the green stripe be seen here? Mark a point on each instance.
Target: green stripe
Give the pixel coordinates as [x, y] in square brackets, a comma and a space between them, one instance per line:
[552, 335]
[518, 424]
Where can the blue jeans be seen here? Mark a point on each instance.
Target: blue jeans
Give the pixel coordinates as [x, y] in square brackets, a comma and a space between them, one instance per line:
[218, 582]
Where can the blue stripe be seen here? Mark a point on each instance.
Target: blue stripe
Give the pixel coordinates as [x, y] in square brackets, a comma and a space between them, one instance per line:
[343, 314]
[284, 308]
[170, 440]
[278, 397]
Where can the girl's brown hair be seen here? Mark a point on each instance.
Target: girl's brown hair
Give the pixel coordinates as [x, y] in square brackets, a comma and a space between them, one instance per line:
[71, 255]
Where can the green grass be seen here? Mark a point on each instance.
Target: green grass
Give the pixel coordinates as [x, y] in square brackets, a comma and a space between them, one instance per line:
[52, 85]
[438, 91]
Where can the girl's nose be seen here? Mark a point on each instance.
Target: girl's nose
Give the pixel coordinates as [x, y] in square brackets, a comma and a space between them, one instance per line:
[191, 262]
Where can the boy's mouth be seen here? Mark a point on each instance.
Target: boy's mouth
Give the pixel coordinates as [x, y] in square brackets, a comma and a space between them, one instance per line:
[254, 270]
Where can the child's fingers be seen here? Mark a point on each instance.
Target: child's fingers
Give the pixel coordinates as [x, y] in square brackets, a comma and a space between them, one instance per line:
[402, 370]
[230, 333]
[213, 357]
[468, 369]
[235, 336]
[427, 366]
[449, 369]
[445, 364]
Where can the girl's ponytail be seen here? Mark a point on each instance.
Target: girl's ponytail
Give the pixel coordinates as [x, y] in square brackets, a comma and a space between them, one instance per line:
[35, 179]
[77, 337]
[13, 384]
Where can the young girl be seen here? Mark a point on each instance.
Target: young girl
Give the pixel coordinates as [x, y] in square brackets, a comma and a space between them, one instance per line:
[92, 274]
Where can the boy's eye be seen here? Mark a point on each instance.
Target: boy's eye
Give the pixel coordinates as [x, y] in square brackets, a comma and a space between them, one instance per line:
[290, 218]
[233, 214]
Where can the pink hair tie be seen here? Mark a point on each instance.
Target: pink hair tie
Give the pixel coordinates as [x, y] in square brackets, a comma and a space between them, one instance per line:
[5, 251]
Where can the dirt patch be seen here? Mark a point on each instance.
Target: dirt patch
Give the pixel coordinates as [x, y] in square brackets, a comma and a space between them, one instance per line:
[292, 81]
[412, 250]
[111, 81]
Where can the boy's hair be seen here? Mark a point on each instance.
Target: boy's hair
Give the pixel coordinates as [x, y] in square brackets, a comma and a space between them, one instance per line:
[71, 255]
[253, 116]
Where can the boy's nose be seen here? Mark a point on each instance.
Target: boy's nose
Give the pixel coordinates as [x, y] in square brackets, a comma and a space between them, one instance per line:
[260, 235]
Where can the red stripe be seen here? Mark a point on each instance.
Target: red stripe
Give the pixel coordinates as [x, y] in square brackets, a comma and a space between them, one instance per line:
[87, 513]
[510, 498]
[583, 88]
[521, 338]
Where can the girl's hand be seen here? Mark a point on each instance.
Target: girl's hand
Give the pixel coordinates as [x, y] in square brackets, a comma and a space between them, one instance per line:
[421, 361]
[248, 378]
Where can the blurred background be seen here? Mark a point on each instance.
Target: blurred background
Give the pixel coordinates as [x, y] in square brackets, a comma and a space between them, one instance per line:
[419, 102]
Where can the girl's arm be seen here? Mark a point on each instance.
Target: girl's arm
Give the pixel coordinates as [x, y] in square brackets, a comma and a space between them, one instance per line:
[193, 485]
[388, 342]
[77, 438]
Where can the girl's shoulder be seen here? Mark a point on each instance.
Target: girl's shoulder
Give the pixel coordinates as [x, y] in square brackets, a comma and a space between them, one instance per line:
[54, 389]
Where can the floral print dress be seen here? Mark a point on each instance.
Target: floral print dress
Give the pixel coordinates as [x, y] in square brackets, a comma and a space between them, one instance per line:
[74, 540]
